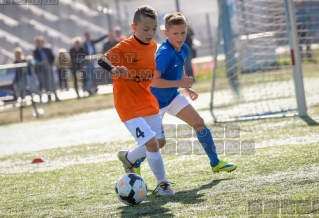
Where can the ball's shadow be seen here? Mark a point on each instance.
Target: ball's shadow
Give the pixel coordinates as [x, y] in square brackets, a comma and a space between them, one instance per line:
[153, 205]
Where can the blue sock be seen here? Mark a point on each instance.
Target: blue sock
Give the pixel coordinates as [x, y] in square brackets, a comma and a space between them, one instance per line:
[138, 162]
[206, 139]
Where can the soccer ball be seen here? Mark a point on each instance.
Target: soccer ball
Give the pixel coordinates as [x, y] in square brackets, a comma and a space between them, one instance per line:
[131, 189]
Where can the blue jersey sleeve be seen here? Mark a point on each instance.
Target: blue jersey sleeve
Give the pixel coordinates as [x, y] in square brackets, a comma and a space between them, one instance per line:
[163, 57]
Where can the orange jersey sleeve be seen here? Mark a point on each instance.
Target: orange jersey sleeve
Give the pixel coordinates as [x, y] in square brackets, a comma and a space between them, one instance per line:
[132, 94]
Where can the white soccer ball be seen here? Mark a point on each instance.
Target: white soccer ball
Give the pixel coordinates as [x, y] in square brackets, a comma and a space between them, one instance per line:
[131, 189]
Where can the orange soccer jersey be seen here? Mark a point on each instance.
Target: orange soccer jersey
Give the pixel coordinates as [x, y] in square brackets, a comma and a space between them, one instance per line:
[132, 94]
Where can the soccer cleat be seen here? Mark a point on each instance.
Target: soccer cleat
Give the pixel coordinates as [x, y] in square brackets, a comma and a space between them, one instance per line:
[163, 189]
[224, 166]
[128, 166]
[137, 170]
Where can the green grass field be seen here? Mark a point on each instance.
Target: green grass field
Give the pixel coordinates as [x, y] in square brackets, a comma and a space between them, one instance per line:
[79, 181]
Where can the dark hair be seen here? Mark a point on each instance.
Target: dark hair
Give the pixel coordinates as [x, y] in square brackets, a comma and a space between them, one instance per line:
[175, 18]
[146, 11]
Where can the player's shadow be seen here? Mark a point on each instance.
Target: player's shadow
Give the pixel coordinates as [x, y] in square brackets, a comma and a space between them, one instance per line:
[309, 121]
[153, 205]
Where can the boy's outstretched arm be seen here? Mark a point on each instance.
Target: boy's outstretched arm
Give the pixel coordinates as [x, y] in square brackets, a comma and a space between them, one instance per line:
[158, 82]
[105, 63]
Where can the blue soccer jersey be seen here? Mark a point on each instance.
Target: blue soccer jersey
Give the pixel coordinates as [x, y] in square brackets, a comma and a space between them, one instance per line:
[170, 63]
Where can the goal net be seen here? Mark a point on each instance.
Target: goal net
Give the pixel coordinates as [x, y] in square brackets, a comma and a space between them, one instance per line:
[253, 76]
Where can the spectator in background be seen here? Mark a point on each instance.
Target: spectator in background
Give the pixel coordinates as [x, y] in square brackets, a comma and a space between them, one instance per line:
[77, 55]
[19, 81]
[63, 64]
[32, 79]
[118, 34]
[25, 76]
[303, 25]
[89, 48]
[110, 43]
[89, 45]
[191, 53]
[45, 59]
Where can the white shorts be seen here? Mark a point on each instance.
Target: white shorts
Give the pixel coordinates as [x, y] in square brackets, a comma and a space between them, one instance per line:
[175, 106]
[145, 128]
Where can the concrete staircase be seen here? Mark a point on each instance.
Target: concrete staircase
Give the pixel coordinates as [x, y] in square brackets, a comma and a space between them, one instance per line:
[57, 23]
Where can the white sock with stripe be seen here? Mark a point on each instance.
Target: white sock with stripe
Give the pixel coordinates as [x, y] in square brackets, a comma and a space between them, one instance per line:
[137, 153]
[156, 163]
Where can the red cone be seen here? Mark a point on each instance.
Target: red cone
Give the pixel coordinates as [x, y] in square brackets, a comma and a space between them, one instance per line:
[37, 160]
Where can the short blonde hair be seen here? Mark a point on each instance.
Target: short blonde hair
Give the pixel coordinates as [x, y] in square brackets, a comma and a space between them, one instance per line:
[176, 18]
[18, 49]
[62, 50]
[78, 38]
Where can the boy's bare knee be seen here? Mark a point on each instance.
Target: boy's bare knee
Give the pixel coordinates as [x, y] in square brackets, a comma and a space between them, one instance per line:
[152, 145]
[161, 142]
[199, 124]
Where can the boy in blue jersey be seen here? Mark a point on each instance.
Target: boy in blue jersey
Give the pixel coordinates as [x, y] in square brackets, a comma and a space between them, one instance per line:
[169, 76]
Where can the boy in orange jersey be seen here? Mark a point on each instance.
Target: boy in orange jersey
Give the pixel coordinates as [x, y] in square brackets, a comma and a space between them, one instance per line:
[132, 64]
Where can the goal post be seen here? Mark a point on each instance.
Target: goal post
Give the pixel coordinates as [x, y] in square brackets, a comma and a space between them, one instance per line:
[257, 71]
[295, 58]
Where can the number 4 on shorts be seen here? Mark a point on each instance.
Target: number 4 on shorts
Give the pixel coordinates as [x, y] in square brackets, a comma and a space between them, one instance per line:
[139, 133]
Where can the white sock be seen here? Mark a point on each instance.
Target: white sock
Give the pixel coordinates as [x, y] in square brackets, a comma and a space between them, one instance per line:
[136, 153]
[156, 163]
